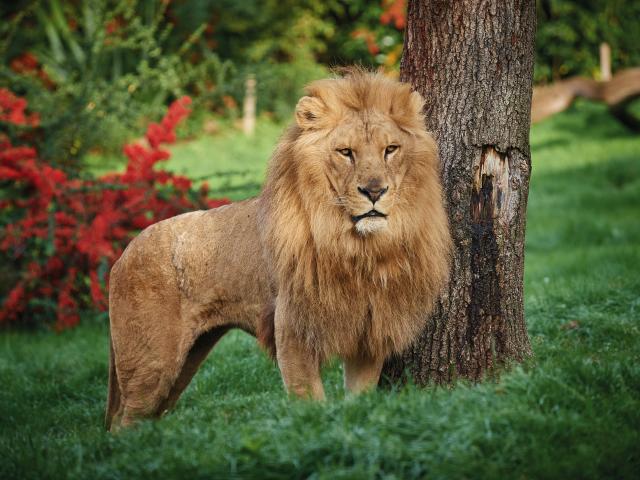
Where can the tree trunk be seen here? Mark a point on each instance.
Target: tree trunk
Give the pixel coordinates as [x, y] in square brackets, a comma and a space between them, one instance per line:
[473, 61]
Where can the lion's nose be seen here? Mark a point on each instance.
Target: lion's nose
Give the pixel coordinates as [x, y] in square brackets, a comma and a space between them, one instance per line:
[373, 191]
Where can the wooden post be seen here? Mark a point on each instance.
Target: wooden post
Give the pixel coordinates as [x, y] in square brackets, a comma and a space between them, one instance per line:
[249, 107]
[605, 62]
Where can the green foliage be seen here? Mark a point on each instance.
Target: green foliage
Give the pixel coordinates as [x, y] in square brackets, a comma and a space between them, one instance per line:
[255, 31]
[360, 34]
[287, 43]
[274, 40]
[284, 31]
[280, 85]
[101, 71]
[570, 33]
[573, 412]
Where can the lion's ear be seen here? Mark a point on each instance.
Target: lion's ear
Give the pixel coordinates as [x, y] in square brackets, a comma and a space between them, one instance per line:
[417, 103]
[410, 116]
[308, 111]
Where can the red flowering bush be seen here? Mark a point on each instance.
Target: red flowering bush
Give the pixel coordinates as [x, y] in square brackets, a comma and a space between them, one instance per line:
[59, 236]
[12, 110]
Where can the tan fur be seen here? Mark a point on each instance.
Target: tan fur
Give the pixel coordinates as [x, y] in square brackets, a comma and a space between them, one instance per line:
[294, 266]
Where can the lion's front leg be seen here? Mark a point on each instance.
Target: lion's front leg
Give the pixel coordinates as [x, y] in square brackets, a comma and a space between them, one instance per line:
[361, 373]
[300, 368]
[300, 372]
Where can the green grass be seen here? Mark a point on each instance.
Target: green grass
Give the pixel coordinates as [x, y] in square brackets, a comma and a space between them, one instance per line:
[233, 164]
[573, 412]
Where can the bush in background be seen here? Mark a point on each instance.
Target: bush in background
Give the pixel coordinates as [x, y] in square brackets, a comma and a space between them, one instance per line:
[114, 62]
[570, 32]
[98, 69]
[287, 43]
[60, 235]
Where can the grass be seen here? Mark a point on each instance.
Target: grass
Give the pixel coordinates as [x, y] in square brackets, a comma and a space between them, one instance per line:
[573, 412]
[233, 164]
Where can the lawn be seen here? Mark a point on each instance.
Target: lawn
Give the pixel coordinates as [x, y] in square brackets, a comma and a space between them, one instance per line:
[572, 412]
[233, 164]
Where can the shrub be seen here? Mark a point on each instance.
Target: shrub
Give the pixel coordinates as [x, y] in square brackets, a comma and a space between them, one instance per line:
[97, 70]
[570, 32]
[60, 235]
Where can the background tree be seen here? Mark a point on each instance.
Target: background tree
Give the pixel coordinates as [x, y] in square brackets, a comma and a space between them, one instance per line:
[570, 32]
[473, 63]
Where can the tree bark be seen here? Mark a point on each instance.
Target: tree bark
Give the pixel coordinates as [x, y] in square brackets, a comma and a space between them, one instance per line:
[472, 60]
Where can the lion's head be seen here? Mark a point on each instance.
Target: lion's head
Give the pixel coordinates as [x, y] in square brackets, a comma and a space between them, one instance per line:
[353, 137]
[362, 152]
[353, 192]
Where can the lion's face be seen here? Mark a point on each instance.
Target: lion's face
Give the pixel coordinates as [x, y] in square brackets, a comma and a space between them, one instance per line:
[365, 166]
[367, 163]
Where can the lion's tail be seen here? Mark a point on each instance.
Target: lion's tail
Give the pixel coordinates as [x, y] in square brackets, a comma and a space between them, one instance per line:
[113, 396]
[265, 331]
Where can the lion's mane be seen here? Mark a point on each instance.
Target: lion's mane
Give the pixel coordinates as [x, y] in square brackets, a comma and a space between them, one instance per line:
[348, 294]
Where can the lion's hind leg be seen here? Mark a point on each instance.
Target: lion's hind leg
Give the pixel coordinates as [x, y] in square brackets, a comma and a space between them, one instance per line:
[152, 383]
[197, 354]
[153, 371]
[114, 404]
[149, 346]
[146, 377]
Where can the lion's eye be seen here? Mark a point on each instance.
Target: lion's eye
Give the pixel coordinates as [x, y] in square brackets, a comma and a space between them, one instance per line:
[347, 152]
[390, 149]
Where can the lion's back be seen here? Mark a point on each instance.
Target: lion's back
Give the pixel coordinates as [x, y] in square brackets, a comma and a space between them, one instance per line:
[197, 258]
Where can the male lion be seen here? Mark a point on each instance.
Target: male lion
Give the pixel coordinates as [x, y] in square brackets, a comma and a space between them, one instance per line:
[341, 255]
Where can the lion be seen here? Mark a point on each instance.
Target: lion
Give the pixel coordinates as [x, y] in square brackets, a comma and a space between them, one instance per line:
[343, 254]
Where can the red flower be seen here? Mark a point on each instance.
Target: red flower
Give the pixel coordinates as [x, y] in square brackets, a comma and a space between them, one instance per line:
[67, 307]
[27, 62]
[96, 290]
[13, 304]
[7, 173]
[69, 229]
[181, 183]
[12, 110]
[10, 155]
[394, 11]
[369, 38]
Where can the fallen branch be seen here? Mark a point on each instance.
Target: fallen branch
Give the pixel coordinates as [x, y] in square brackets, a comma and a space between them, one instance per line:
[617, 94]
